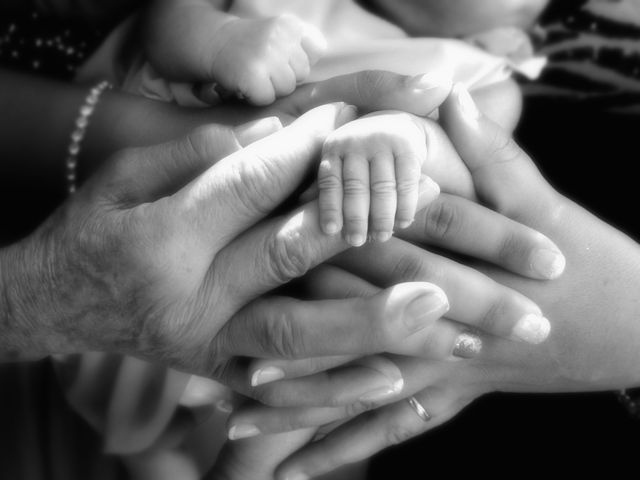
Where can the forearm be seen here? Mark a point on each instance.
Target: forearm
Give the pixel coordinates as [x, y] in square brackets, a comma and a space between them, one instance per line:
[39, 115]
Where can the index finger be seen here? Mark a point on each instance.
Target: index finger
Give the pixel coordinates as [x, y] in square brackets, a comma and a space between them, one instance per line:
[373, 90]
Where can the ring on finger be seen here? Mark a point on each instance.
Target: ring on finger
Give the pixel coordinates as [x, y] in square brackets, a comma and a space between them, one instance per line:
[419, 409]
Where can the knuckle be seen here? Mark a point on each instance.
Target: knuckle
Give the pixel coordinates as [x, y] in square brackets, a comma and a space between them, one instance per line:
[405, 187]
[284, 336]
[411, 268]
[370, 84]
[490, 318]
[511, 248]
[397, 433]
[383, 188]
[355, 187]
[269, 395]
[329, 181]
[287, 257]
[441, 220]
[502, 147]
[436, 346]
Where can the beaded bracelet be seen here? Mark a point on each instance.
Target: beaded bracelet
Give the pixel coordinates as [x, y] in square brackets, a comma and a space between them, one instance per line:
[82, 121]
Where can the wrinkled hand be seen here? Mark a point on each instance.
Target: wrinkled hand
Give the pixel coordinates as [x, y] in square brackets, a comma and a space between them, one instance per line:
[592, 307]
[165, 256]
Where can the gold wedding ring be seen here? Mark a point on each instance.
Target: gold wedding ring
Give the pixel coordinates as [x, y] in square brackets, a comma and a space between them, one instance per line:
[419, 409]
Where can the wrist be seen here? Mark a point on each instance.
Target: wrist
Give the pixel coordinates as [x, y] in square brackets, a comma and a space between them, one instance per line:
[23, 333]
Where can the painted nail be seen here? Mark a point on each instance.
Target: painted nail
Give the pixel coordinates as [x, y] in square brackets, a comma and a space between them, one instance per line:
[331, 228]
[548, 263]
[238, 432]
[430, 81]
[467, 105]
[423, 310]
[356, 240]
[266, 375]
[467, 345]
[532, 328]
[378, 395]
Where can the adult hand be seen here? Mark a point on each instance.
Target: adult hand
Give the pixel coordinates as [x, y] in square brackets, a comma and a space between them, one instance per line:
[593, 306]
[153, 257]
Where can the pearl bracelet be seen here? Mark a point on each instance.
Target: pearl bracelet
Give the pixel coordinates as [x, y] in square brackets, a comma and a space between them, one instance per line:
[82, 121]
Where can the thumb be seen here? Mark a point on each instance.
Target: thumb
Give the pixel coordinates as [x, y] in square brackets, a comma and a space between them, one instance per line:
[504, 176]
[148, 173]
[249, 184]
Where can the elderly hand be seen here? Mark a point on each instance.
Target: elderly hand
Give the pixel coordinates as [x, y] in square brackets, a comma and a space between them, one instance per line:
[593, 308]
[155, 258]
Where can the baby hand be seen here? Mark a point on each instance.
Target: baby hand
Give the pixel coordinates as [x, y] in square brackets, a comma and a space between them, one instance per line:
[369, 176]
[261, 59]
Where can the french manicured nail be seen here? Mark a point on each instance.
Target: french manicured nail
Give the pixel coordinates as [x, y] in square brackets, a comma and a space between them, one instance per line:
[466, 103]
[548, 263]
[532, 328]
[431, 80]
[423, 310]
[266, 375]
[253, 131]
[355, 240]
[467, 345]
[331, 228]
[224, 406]
[240, 431]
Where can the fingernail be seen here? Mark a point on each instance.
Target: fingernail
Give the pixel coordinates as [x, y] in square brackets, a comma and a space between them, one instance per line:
[423, 310]
[548, 263]
[382, 236]
[430, 81]
[378, 395]
[224, 406]
[346, 115]
[238, 432]
[532, 328]
[429, 191]
[331, 228]
[404, 224]
[467, 345]
[253, 131]
[466, 103]
[356, 240]
[266, 375]
[398, 385]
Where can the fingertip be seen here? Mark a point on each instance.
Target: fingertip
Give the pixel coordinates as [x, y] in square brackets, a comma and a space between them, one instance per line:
[250, 132]
[429, 191]
[314, 44]
[548, 262]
